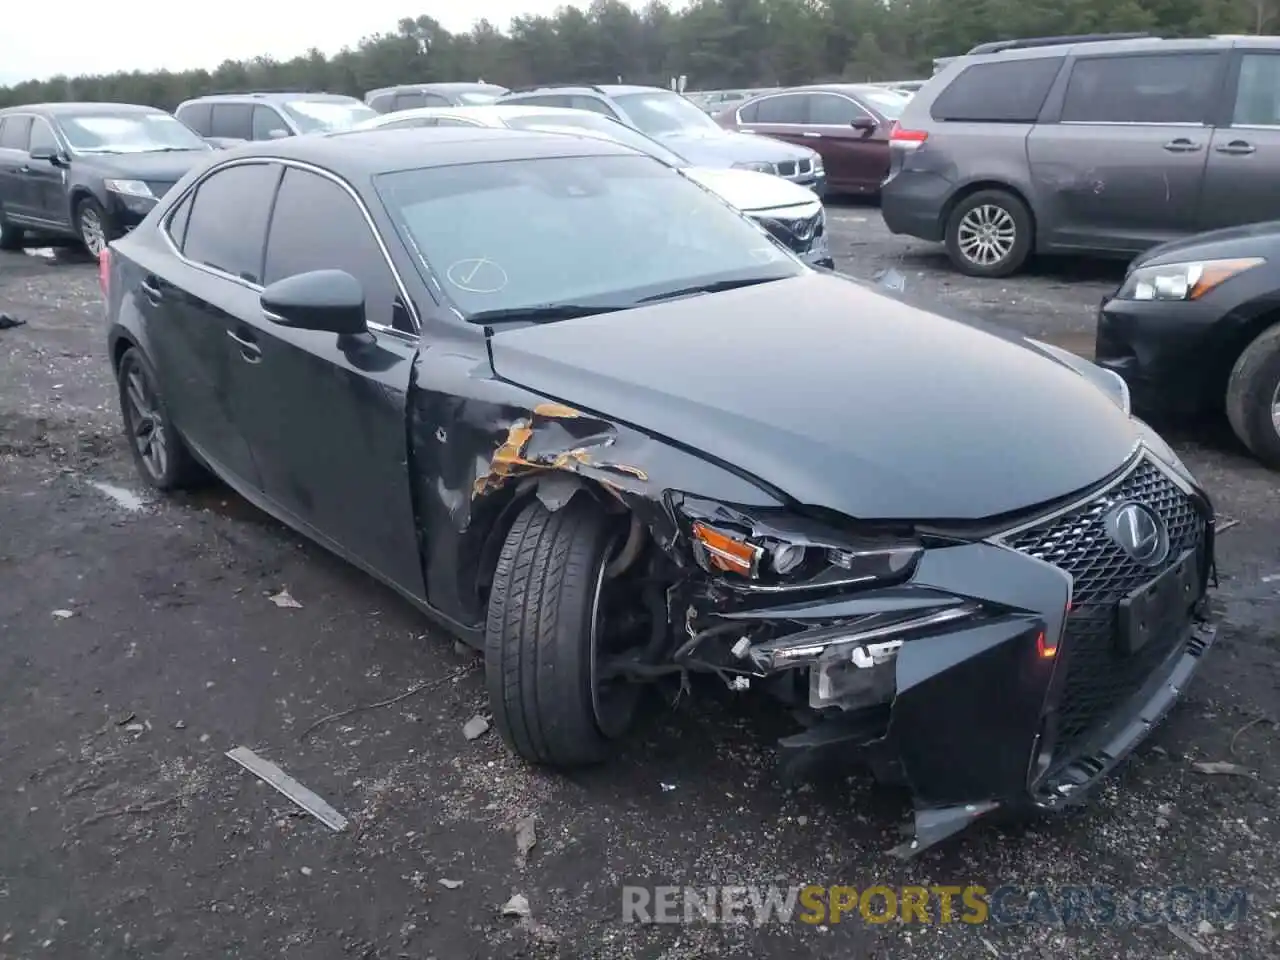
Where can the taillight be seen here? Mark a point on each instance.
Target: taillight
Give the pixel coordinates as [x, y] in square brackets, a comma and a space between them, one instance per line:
[906, 139]
[104, 270]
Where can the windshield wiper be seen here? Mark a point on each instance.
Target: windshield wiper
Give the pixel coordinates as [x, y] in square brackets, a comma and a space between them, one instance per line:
[716, 286]
[542, 312]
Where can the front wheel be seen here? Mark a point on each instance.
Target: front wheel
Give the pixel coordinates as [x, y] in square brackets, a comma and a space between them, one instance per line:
[989, 234]
[1253, 397]
[546, 632]
[94, 226]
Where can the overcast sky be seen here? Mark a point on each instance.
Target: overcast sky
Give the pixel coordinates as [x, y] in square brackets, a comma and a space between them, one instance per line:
[75, 37]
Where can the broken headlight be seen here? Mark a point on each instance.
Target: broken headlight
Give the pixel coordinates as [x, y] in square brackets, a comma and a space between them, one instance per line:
[784, 553]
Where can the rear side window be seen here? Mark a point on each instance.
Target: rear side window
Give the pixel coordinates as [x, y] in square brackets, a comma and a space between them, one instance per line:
[1168, 88]
[409, 101]
[177, 225]
[227, 226]
[197, 116]
[232, 120]
[16, 133]
[1011, 91]
[792, 108]
[435, 100]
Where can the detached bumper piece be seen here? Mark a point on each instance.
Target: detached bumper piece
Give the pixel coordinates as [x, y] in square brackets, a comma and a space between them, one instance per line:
[1011, 674]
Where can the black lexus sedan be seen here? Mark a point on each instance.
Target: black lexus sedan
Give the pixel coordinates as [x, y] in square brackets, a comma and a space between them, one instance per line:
[1195, 329]
[89, 171]
[593, 421]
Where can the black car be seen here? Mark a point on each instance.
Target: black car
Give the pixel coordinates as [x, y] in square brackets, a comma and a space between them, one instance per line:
[1195, 329]
[595, 422]
[90, 171]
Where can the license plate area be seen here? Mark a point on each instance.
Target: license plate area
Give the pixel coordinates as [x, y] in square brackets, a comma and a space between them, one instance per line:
[1162, 605]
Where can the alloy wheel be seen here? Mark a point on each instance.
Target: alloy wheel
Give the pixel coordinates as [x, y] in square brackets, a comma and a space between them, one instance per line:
[986, 234]
[92, 231]
[147, 429]
[1275, 409]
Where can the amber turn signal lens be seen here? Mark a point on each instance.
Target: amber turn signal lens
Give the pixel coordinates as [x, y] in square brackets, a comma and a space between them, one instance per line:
[725, 552]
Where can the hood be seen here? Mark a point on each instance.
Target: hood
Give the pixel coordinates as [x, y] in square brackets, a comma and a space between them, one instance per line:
[158, 166]
[1250, 240]
[724, 148]
[749, 190]
[838, 395]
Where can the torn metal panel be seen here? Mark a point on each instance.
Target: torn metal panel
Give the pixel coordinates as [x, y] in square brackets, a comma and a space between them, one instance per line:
[269, 773]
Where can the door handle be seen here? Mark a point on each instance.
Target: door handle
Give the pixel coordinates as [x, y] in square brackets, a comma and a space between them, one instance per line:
[24, 169]
[151, 291]
[1182, 145]
[815, 136]
[249, 350]
[1236, 147]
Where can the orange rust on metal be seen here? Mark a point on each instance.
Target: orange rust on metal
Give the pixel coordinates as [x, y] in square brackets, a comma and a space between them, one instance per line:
[557, 410]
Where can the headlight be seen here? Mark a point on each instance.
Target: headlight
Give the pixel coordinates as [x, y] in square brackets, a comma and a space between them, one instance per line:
[781, 553]
[759, 166]
[130, 188]
[1182, 281]
[817, 164]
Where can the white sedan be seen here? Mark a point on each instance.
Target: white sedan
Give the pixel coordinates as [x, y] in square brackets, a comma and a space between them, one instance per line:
[792, 213]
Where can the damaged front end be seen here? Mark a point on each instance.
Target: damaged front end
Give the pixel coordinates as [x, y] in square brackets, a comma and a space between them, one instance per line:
[1007, 669]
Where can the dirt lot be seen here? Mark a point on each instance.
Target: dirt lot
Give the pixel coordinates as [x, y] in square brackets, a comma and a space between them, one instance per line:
[126, 832]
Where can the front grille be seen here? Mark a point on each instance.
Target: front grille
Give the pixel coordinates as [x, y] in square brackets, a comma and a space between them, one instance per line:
[787, 168]
[1099, 678]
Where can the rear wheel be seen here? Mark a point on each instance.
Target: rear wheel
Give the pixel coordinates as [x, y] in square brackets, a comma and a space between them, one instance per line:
[548, 634]
[989, 234]
[1253, 397]
[158, 451]
[11, 236]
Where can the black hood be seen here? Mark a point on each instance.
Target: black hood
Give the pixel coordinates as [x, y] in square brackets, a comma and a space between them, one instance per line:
[1250, 240]
[838, 395]
[161, 166]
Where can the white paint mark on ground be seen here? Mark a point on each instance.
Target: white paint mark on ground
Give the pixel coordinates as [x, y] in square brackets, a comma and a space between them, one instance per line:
[124, 499]
[845, 218]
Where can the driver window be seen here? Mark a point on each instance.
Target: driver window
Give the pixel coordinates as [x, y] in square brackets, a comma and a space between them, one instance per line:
[42, 138]
[827, 109]
[317, 226]
[266, 120]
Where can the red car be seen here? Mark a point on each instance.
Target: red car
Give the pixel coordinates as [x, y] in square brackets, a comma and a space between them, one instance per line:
[847, 123]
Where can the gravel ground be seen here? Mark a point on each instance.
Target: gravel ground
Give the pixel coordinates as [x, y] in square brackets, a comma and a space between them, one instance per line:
[125, 832]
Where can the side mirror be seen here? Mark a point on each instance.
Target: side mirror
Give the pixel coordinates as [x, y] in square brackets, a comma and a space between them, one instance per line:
[327, 300]
[865, 124]
[278, 134]
[49, 155]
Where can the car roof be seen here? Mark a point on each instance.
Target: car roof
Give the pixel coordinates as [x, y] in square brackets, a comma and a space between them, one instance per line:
[57, 109]
[483, 113]
[459, 86]
[605, 89]
[273, 96]
[366, 153]
[853, 89]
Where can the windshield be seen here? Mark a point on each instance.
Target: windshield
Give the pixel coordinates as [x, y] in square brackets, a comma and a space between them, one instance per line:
[133, 132]
[609, 231]
[328, 116]
[887, 103]
[596, 125]
[657, 113]
[479, 98]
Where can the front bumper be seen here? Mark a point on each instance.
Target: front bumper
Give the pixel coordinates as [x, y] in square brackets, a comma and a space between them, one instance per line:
[1044, 655]
[1167, 353]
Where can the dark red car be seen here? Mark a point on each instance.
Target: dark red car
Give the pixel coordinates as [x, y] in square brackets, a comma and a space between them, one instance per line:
[847, 123]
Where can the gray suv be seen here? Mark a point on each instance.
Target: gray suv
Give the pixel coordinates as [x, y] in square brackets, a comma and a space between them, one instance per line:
[1102, 147]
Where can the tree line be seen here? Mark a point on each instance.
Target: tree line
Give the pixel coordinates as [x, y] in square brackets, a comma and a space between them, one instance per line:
[716, 44]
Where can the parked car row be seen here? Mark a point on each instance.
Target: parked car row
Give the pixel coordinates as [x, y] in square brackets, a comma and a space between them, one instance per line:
[592, 421]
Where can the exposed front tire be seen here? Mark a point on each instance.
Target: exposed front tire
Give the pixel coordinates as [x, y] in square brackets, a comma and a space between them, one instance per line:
[94, 226]
[543, 638]
[1253, 397]
[11, 236]
[989, 234]
[161, 456]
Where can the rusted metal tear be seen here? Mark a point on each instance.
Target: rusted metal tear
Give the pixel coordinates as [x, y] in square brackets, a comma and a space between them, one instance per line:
[512, 458]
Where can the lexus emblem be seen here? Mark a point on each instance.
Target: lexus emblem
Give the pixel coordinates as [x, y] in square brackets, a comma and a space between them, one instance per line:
[1140, 533]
